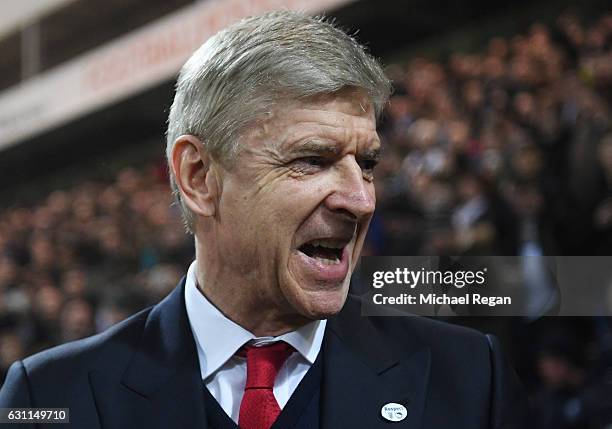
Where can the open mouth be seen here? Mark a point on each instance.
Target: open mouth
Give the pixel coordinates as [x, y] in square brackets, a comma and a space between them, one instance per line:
[326, 259]
[327, 252]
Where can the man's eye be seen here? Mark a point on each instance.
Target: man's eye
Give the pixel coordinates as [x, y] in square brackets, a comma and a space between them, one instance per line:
[312, 161]
[368, 165]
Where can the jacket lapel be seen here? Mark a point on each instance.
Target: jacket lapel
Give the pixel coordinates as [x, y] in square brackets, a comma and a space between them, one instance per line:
[365, 367]
[161, 386]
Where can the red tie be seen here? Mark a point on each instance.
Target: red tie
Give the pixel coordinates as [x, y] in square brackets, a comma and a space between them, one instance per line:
[259, 409]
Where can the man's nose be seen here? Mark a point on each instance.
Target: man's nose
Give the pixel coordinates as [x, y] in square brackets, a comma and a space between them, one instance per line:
[353, 193]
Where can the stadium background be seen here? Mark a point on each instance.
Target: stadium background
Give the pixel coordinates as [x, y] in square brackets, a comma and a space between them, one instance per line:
[497, 142]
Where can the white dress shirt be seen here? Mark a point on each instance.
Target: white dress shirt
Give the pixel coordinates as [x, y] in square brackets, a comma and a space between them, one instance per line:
[219, 338]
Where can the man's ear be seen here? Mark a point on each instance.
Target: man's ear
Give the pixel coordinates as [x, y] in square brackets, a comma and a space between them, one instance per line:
[191, 164]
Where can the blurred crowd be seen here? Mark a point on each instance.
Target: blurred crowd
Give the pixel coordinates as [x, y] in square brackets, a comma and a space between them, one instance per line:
[506, 151]
[86, 258]
[503, 152]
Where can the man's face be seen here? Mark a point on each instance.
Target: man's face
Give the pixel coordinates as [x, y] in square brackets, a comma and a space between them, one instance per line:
[295, 206]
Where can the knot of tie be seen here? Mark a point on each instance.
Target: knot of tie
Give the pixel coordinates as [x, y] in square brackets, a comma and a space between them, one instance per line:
[263, 364]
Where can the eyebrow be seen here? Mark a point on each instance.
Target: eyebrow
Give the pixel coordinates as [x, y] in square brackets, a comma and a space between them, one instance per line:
[318, 147]
[331, 149]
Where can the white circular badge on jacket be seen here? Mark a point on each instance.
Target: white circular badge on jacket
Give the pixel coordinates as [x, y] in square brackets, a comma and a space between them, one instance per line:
[394, 412]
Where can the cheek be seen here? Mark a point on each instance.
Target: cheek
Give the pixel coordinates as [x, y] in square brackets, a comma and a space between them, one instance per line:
[257, 230]
[289, 207]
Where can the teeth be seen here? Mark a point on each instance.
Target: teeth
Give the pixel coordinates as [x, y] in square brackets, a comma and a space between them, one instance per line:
[326, 261]
[332, 244]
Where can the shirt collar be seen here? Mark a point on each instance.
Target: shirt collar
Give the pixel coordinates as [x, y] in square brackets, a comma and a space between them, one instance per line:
[218, 338]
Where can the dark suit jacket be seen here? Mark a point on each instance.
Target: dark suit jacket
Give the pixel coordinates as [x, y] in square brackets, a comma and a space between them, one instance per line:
[144, 372]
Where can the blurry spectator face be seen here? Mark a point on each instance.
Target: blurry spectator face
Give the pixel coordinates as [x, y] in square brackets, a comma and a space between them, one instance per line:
[110, 239]
[390, 164]
[84, 207]
[494, 68]
[458, 135]
[65, 256]
[74, 283]
[499, 98]
[527, 162]
[110, 200]
[472, 94]
[526, 200]
[110, 315]
[11, 349]
[524, 105]
[595, 39]
[8, 272]
[540, 37]
[555, 371]
[519, 45]
[520, 69]
[19, 219]
[41, 251]
[58, 202]
[158, 214]
[399, 107]
[420, 185]
[605, 154]
[468, 188]
[47, 302]
[457, 65]
[43, 218]
[140, 201]
[574, 33]
[172, 237]
[491, 162]
[442, 104]
[161, 279]
[439, 198]
[423, 133]
[498, 47]
[128, 181]
[77, 320]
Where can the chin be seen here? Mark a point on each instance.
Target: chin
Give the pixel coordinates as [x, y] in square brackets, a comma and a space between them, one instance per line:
[322, 305]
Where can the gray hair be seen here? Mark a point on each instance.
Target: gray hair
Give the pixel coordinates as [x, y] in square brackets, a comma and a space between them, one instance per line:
[239, 74]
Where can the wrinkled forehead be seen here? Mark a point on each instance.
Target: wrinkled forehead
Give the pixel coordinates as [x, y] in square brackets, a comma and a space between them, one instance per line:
[350, 101]
[344, 115]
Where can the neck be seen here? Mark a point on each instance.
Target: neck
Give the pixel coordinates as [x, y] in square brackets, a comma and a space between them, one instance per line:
[260, 324]
[242, 303]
